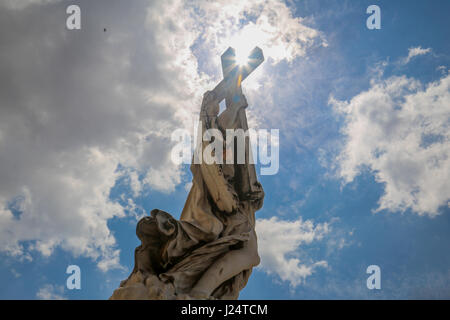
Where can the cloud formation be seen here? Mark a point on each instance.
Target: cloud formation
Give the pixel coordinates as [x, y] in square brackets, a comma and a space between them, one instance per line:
[73, 108]
[279, 242]
[51, 292]
[414, 52]
[399, 129]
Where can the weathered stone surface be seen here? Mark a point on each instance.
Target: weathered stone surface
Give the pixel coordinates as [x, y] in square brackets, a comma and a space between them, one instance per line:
[209, 253]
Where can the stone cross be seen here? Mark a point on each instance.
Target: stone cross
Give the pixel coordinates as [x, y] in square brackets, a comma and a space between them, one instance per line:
[230, 89]
[234, 74]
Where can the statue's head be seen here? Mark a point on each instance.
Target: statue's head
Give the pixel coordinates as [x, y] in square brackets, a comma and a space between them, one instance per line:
[210, 105]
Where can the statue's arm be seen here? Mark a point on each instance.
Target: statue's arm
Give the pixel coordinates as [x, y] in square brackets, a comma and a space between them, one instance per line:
[221, 192]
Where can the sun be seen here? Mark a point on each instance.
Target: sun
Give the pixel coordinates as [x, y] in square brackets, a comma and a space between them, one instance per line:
[242, 57]
[244, 41]
[243, 46]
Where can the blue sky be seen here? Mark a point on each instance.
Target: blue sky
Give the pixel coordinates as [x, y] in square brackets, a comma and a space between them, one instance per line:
[364, 116]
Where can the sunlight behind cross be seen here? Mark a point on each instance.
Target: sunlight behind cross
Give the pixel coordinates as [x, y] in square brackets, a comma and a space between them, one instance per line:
[234, 74]
[242, 57]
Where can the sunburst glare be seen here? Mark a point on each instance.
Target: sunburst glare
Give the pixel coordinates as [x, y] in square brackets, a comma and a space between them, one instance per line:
[245, 40]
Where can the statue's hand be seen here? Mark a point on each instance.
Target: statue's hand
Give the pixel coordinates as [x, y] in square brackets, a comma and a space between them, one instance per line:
[256, 197]
[242, 103]
[229, 118]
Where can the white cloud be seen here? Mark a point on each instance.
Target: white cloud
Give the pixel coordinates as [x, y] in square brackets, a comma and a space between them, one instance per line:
[400, 130]
[163, 181]
[76, 104]
[414, 52]
[51, 292]
[188, 186]
[442, 69]
[15, 273]
[278, 245]
[64, 133]
[272, 26]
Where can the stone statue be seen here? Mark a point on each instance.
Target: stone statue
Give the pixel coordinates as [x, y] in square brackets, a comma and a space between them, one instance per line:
[210, 252]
